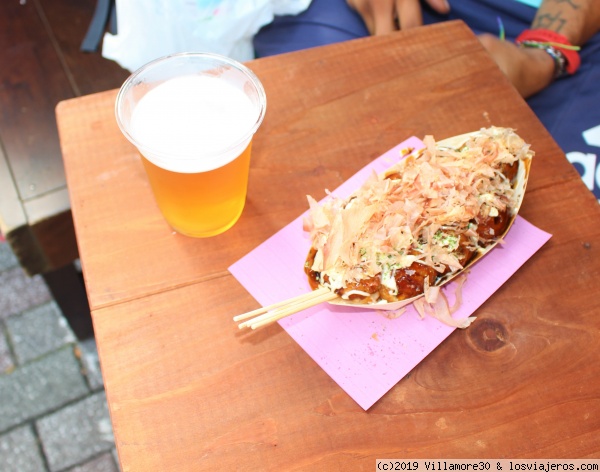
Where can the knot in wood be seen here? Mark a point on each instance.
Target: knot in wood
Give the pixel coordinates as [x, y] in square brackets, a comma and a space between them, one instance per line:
[488, 335]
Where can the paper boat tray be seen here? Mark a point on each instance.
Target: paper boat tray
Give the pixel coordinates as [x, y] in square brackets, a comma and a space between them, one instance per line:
[456, 142]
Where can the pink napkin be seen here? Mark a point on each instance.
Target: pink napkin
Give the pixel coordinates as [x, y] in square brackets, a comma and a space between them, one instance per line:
[365, 352]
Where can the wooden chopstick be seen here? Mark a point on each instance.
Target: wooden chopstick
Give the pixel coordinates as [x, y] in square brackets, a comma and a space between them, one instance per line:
[271, 313]
[289, 301]
[288, 310]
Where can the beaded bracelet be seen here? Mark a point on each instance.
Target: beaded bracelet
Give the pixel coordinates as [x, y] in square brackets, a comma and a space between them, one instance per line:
[560, 63]
[565, 55]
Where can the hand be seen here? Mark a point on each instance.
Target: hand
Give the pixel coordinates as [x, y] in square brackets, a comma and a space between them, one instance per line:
[385, 16]
[530, 70]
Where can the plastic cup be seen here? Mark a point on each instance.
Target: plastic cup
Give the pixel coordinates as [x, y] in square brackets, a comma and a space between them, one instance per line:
[192, 117]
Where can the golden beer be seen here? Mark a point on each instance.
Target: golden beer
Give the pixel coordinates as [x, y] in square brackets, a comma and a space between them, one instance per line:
[192, 117]
[204, 203]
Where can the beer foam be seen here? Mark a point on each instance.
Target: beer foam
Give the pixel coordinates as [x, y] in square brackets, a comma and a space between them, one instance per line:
[193, 123]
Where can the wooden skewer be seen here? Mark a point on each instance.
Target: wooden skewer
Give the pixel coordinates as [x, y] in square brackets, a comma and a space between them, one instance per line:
[276, 311]
[290, 310]
[289, 301]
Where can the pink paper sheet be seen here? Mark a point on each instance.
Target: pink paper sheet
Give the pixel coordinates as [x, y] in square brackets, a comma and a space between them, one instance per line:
[364, 352]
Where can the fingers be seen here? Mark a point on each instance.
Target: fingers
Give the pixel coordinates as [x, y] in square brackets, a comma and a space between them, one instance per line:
[385, 16]
[378, 15]
[441, 6]
[409, 13]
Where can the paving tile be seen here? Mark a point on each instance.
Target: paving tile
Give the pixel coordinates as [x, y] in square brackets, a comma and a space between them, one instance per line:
[91, 363]
[76, 433]
[38, 331]
[104, 463]
[19, 292]
[40, 387]
[7, 258]
[6, 359]
[19, 451]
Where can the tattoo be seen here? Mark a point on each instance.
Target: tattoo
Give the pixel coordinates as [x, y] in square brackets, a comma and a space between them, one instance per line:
[549, 21]
[570, 3]
[554, 20]
[562, 16]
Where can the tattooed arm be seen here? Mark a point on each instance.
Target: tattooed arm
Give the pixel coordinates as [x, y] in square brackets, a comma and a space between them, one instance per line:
[578, 20]
[531, 70]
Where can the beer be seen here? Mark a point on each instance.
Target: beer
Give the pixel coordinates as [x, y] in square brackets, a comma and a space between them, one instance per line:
[204, 203]
[194, 132]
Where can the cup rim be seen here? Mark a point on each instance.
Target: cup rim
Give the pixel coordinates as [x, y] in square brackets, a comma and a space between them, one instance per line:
[262, 98]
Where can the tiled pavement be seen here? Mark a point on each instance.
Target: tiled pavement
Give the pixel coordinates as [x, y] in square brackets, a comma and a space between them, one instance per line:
[53, 412]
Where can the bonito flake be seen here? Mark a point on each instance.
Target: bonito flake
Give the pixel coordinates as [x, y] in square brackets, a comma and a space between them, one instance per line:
[406, 232]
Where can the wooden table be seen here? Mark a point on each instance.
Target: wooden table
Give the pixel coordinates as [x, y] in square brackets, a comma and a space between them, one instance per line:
[187, 391]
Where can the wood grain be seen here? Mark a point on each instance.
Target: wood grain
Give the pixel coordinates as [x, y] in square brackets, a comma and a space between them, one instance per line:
[188, 391]
[89, 72]
[41, 65]
[27, 123]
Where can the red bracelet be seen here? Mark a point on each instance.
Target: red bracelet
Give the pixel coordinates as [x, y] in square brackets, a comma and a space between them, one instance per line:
[556, 40]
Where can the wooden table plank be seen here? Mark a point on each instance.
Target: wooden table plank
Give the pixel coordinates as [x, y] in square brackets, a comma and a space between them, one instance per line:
[90, 72]
[41, 65]
[27, 123]
[188, 391]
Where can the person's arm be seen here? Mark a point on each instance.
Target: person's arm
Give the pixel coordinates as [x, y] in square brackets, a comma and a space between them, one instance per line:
[578, 20]
[531, 70]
